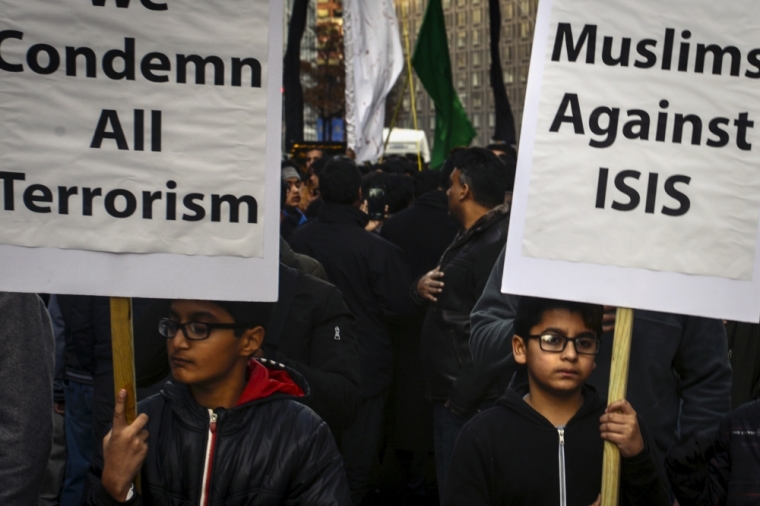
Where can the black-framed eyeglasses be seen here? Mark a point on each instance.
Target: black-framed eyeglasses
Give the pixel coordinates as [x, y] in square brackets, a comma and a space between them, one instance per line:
[584, 345]
[194, 331]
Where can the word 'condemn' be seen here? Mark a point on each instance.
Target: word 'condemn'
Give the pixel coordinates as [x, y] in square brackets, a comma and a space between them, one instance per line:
[118, 64]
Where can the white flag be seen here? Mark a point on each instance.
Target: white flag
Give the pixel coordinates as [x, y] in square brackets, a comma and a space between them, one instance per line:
[374, 60]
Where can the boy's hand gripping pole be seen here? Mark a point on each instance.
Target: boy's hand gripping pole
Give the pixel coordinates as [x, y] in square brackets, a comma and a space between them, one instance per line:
[621, 354]
[122, 345]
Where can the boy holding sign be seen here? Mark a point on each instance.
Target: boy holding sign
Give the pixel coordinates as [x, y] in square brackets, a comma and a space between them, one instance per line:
[226, 430]
[508, 455]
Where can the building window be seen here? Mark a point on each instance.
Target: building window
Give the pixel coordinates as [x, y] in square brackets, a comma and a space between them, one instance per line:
[491, 119]
[477, 100]
[476, 37]
[476, 78]
[432, 123]
[509, 11]
[525, 51]
[523, 73]
[461, 38]
[476, 57]
[509, 75]
[508, 54]
[461, 60]
[418, 5]
[524, 7]
[476, 120]
[446, 4]
[461, 18]
[461, 81]
[477, 16]
[509, 31]
[460, 3]
[525, 29]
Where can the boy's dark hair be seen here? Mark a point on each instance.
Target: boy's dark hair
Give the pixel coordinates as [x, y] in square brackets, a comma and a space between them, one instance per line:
[530, 312]
[339, 181]
[484, 173]
[247, 314]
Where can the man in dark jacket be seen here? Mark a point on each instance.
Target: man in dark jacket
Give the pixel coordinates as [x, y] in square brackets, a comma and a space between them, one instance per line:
[454, 383]
[679, 379]
[226, 430]
[374, 279]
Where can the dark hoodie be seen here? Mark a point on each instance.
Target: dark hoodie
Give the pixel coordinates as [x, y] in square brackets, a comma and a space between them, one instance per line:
[267, 450]
[512, 455]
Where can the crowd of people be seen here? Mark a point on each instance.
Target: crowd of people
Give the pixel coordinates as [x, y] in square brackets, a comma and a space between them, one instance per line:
[391, 361]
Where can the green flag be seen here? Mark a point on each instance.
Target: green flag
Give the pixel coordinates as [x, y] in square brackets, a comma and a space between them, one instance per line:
[433, 66]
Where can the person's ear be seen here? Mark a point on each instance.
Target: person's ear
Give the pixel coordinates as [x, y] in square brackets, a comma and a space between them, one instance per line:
[251, 341]
[465, 191]
[519, 349]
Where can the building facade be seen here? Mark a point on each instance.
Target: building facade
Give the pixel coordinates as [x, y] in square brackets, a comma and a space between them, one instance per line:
[467, 26]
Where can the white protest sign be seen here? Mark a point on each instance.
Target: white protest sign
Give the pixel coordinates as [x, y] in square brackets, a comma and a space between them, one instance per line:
[638, 178]
[140, 146]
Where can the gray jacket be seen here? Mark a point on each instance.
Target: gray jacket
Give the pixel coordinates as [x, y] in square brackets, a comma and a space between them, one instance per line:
[26, 397]
[679, 378]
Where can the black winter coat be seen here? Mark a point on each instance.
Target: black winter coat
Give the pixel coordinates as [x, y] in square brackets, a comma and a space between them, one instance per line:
[423, 231]
[371, 274]
[510, 455]
[720, 470]
[450, 373]
[269, 451]
[312, 331]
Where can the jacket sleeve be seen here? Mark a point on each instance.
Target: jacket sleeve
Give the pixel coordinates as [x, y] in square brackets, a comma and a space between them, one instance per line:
[492, 321]
[471, 476]
[320, 479]
[26, 396]
[333, 373]
[642, 480]
[704, 373]
[698, 469]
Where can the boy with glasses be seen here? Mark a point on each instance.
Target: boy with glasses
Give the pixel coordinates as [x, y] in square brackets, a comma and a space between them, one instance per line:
[543, 442]
[226, 430]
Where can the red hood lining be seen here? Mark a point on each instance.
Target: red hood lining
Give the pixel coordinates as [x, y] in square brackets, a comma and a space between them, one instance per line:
[264, 382]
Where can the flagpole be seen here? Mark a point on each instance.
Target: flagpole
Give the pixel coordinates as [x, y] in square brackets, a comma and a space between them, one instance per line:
[395, 116]
[410, 77]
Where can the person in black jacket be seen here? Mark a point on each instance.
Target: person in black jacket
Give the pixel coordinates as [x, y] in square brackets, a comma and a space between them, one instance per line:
[423, 232]
[541, 444]
[226, 430]
[311, 330]
[374, 280]
[479, 185]
[722, 468]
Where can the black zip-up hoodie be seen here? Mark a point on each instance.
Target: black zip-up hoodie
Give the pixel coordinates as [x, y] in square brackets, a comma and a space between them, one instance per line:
[512, 455]
[267, 450]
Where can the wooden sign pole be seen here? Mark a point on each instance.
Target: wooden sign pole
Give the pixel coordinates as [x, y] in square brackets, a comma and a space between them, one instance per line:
[621, 353]
[122, 345]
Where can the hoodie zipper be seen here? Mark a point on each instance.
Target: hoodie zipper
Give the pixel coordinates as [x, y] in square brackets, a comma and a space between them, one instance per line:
[205, 487]
[562, 483]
